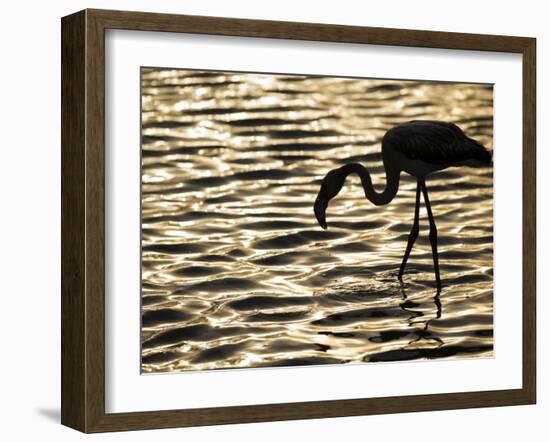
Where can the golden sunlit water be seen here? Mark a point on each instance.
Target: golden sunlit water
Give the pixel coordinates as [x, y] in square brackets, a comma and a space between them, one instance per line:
[237, 273]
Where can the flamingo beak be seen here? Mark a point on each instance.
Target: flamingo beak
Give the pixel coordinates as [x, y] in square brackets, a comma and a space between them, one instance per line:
[320, 208]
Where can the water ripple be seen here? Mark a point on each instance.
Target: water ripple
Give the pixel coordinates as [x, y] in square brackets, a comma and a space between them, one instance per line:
[235, 270]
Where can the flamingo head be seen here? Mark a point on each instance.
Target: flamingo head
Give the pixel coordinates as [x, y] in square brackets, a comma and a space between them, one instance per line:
[320, 208]
[331, 185]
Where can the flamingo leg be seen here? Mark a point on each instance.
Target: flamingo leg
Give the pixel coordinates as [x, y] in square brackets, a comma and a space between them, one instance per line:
[413, 235]
[433, 234]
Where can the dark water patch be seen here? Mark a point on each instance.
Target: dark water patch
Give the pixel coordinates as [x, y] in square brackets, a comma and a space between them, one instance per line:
[181, 87]
[287, 91]
[200, 74]
[384, 88]
[184, 150]
[196, 271]
[449, 267]
[209, 181]
[235, 110]
[237, 253]
[188, 216]
[471, 278]
[148, 300]
[172, 189]
[479, 133]
[168, 189]
[178, 248]
[358, 296]
[148, 232]
[450, 323]
[311, 360]
[278, 260]
[409, 304]
[182, 140]
[152, 318]
[245, 161]
[225, 284]
[353, 247]
[283, 134]
[255, 122]
[458, 186]
[289, 159]
[277, 317]
[304, 146]
[401, 228]
[146, 139]
[222, 199]
[358, 225]
[200, 333]
[344, 335]
[214, 84]
[166, 124]
[464, 254]
[395, 115]
[299, 78]
[478, 118]
[273, 225]
[470, 335]
[270, 174]
[272, 215]
[452, 173]
[427, 353]
[291, 345]
[342, 270]
[297, 239]
[461, 239]
[161, 357]
[284, 242]
[214, 258]
[353, 316]
[157, 165]
[197, 215]
[421, 104]
[470, 199]
[219, 353]
[488, 333]
[269, 302]
[480, 127]
[150, 285]
[389, 336]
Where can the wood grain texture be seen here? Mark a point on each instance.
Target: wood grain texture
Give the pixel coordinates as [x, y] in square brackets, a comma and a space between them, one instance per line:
[143, 21]
[95, 221]
[73, 257]
[83, 218]
[529, 221]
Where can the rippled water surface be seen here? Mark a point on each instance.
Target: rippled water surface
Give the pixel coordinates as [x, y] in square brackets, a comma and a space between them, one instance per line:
[236, 271]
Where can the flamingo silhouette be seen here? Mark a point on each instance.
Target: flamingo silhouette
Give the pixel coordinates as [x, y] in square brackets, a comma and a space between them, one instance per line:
[419, 148]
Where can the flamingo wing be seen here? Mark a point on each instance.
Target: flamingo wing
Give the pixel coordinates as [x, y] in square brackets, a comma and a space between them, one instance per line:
[435, 142]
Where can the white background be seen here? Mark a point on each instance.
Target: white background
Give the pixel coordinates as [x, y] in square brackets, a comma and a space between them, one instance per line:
[30, 221]
[128, 391]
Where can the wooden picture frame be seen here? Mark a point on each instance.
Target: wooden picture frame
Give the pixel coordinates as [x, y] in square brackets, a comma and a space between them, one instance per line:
[83, 216]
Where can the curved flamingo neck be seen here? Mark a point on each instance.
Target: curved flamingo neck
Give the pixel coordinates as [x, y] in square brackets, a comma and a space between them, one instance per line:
[377, 198]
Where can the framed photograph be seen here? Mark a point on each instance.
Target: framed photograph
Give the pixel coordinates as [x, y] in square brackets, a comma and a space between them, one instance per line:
[269, 220]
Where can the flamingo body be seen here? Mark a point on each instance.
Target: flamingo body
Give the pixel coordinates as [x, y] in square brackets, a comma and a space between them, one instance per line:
[418, 147]
[421, 147]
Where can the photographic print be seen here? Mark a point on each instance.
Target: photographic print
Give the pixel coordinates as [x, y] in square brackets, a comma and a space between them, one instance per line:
[298, 220]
